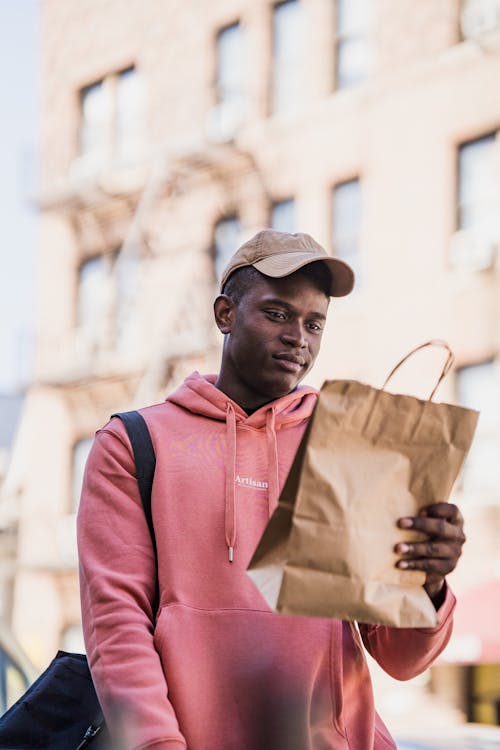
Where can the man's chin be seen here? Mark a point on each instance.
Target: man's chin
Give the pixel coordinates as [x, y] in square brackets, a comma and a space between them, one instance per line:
[283, 386]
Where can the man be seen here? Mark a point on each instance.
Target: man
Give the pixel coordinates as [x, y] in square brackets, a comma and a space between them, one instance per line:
[216, 669]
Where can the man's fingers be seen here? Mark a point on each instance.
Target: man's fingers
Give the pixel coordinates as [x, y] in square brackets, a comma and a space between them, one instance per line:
[437, 528]
[448, 511]
[437, 555]
[438, 521]
[431, 549]
[429, 565]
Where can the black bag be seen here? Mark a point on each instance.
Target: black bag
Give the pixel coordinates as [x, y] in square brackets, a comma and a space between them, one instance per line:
[60, 711]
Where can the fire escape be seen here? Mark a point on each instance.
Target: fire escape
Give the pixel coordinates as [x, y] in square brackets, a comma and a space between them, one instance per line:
[123, 210]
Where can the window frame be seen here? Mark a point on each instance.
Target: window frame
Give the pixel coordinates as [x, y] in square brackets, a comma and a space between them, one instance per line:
[218, 100]
[273, 110]
[110, 142]
[275, 203]
[109, 257]
[457, 228]
[229, 216]
[484, 495]
[338, 40]
[352, 177]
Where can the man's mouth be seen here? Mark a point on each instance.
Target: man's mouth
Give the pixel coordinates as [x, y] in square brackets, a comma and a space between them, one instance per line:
[290, 362]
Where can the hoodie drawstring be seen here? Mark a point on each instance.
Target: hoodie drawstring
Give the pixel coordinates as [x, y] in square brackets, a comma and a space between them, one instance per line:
[273, 473]
[230, 508]
[272, 462]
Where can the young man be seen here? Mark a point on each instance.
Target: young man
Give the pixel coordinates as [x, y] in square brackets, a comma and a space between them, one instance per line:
[214, 668]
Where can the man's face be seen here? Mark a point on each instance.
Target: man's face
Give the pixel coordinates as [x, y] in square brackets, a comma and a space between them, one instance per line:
[273, 339]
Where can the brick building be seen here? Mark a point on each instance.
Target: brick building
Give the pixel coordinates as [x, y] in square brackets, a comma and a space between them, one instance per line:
[171, 131]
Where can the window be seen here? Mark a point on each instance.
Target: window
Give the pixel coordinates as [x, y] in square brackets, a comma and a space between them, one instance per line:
[107, 288]
[112, 126]
[283, 216]
[230, 78]
[478, 388]
[227, 234]
[94, 291]
[288, 35]
[473, 247]
[354, 46]
[478, 18]
[346, 220]
[130, 122]
[126, 271]
[81, 451]
[96, 113]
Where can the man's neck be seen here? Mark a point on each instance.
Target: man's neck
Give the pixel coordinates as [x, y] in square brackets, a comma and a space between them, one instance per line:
[248, 404]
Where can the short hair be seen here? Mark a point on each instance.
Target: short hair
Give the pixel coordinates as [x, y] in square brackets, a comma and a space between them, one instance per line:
[241, 281]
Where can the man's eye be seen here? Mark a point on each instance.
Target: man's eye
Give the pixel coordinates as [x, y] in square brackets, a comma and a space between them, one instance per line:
[316, 327]
[276, 314]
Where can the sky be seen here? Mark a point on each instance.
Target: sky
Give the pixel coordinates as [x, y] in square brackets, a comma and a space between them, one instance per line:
[19, 53]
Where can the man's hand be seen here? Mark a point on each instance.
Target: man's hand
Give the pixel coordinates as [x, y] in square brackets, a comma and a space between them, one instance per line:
[438, 554]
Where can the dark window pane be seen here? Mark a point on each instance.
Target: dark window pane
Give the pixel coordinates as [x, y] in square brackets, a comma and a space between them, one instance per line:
[354, 50]
[283, 216]
[347, 223]
[96, 114]
[476, 183]
[288, 35]
[130, 124]
[478, 388]
[230, 63]
[226, 241]
[93, 292]
[474, 245]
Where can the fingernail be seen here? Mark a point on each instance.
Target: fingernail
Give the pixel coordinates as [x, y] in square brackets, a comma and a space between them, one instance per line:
[404, 547]
[402, 564]
[406, 523]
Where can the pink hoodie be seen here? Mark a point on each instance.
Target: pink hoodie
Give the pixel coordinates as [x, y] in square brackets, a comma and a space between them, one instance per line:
[219, 670]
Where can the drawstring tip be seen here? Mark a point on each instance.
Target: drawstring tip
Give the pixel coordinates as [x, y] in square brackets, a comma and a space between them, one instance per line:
[230, 550]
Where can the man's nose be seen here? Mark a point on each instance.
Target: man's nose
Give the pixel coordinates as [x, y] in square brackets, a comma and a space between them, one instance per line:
[294, 335]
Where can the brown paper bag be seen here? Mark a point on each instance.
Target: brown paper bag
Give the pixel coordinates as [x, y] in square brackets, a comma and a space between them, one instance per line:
[367, 458]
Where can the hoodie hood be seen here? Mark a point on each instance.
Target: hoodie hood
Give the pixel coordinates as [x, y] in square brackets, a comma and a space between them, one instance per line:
[199, 396]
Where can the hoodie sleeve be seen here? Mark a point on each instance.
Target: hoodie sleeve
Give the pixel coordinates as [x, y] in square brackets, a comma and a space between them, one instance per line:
[406, 652]
[117, 583]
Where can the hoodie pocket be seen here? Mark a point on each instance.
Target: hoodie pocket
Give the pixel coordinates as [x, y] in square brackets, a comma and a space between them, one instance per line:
[273, 680]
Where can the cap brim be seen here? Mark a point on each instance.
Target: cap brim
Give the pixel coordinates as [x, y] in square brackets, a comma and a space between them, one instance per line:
[278, 266]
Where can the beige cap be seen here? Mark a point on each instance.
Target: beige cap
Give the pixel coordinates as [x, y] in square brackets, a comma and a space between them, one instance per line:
[278, 254]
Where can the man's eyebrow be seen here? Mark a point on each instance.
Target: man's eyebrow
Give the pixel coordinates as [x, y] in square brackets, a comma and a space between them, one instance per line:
[281, 303]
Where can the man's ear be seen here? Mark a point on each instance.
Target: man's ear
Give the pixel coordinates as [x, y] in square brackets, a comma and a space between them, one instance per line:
[224, 312]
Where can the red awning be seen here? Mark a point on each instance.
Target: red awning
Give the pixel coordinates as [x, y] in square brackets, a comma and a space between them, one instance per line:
[476, 631]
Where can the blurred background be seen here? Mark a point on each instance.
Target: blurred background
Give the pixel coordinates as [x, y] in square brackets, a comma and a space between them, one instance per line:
[142, 142]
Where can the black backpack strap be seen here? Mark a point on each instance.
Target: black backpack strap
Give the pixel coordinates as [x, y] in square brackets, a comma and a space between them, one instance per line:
[145, 464]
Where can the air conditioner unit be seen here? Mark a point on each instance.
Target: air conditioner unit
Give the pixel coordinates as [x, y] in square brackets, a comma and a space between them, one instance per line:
[479, 17]
[470, 251]
[223, 121]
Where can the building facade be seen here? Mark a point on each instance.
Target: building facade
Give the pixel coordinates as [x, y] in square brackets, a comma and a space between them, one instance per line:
[173, 131]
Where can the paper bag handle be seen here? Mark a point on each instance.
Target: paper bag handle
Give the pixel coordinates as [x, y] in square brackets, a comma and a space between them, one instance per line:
[446, 367]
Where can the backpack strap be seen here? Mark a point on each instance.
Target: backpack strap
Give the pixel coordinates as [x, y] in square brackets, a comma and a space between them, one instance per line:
[145, 464]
